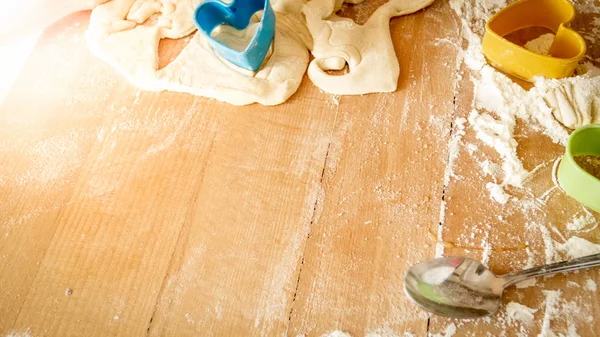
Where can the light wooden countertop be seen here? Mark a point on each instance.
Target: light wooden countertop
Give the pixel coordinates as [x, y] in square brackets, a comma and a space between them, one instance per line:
[133, 213]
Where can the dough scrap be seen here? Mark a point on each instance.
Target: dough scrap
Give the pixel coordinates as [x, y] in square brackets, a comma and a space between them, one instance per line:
[574, 101]
[366, 49]
[132, 48]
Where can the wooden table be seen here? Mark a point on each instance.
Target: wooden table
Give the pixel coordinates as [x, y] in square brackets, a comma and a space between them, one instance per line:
[135, 213]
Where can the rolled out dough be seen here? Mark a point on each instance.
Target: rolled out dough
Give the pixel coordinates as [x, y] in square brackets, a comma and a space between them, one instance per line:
[131, 46]
[126, 34]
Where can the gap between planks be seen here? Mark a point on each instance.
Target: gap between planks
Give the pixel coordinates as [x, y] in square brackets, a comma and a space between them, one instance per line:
[185, 228]
[312, 221]
[444, 187]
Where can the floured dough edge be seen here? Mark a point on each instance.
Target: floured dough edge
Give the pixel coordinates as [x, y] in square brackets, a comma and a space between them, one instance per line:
[120, 34]
[132, 49]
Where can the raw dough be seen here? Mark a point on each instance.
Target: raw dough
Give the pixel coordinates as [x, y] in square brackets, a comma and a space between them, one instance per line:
[367, 50]
[126, 33]
[574, 101]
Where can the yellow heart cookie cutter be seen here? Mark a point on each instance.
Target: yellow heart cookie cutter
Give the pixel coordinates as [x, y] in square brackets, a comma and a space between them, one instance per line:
[567, 48]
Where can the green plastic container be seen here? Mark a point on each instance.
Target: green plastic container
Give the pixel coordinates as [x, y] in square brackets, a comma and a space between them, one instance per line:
[574, 180]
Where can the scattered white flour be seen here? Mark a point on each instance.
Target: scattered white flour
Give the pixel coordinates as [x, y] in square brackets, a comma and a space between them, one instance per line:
[574, 247]
[530, 258]
[556, 311]
[378, 333]
[336, 333]
[439, 246]
[487, 249]
[458, 131]
[499, 103]
[577, 247]
[19, 334]
[541, 45]
[472, 148]
[489, 168]
[497, 193]
[449, 332]
[549, 250]
[591, 285]
[551, 107]
[586, 7]
[454, 147]
[555, 170]
[499, 135]
[569, 312]
[387, 332]
[551, 310]
[586, 222]
[519, 312]
[572, 332]
[189, 319]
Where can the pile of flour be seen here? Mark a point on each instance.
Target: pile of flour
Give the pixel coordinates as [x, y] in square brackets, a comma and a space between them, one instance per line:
[552, 106]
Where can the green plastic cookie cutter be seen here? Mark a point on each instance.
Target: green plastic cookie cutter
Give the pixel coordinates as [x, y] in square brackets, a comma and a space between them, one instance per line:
[573, 179]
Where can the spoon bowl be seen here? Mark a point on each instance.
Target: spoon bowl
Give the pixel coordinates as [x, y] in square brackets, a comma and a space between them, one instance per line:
[460, 287]
[454, 287]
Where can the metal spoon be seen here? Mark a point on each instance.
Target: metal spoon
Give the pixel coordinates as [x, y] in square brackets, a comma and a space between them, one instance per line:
[459, 287]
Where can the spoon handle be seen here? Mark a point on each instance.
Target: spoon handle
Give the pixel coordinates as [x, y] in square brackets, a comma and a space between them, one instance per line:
[550, 269]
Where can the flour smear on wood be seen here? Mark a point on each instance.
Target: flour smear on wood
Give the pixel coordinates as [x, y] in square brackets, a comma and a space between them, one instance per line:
[503, 114]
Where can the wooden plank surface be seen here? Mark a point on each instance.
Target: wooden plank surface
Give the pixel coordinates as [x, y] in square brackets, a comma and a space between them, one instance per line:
[134, 213]
[160, 208]
[382, 188]
[516, 235]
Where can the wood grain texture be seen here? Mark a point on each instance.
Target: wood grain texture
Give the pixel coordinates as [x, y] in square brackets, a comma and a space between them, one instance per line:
[382, 189]
[516, 234]
[160, 209]
[131, 213]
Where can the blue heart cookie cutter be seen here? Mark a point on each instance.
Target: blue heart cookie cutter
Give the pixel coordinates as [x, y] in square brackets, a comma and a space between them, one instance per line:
[212, 13]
